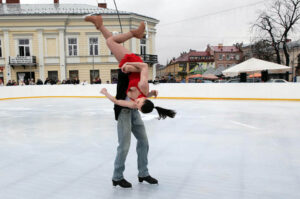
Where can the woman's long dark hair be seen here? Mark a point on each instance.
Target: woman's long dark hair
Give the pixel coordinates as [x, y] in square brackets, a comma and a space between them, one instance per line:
[162, 112]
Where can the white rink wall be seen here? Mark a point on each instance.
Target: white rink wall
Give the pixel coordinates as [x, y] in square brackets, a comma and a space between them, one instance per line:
[178, 90]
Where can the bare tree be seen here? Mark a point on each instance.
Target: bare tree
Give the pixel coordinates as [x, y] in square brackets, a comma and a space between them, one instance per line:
[264, 50]
[277, 23]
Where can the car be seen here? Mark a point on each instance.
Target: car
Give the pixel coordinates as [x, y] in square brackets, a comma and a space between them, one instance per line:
[236, 80]
[206, 81]
[277, 81]
[255, 80]
[220, 81]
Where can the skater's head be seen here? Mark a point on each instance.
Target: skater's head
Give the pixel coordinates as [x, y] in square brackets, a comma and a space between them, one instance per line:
[146, 106]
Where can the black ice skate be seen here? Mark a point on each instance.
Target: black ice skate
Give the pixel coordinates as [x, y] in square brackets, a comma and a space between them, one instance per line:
[122, 183]
[148, 179]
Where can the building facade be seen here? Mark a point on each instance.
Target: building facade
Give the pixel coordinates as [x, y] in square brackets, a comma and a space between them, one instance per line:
[225, 56]
[39, 41]
[192, 62]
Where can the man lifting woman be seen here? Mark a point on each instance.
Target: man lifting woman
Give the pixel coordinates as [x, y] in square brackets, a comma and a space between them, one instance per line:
[137, 93]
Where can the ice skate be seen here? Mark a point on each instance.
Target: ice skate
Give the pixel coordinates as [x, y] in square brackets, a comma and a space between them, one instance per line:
[139, 32]
[96, 20]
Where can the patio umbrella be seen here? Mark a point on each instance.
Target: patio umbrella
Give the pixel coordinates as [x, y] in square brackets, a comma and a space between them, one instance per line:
[210, 76]
[195, 76]
[255, 75]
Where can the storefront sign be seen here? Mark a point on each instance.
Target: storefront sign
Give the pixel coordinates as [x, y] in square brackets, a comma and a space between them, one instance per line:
[29, 60]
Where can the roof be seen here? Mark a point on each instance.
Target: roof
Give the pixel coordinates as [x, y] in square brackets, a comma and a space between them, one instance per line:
[16, 9]
[184, 57]
[225, 49]
[197, 53]
[254, 65]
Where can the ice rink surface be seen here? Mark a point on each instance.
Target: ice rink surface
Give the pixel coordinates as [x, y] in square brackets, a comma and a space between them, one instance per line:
[65, 148]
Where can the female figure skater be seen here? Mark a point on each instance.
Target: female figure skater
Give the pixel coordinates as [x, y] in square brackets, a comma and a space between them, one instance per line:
[138, 88]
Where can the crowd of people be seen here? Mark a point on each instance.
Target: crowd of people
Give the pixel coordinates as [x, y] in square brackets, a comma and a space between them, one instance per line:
[49, 81]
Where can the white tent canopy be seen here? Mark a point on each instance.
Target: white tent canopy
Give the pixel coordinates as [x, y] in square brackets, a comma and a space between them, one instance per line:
[254, 65]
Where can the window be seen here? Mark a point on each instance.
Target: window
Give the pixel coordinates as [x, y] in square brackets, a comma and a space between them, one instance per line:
[72, 44]
[53, 75]
[93, 75]
[73, 74]
[227, 57]
[24, 49]
[114, 76]
[220, 56]
[0, 48]
[1, 78]
[237, 57]
[143, 46]
[93, 43]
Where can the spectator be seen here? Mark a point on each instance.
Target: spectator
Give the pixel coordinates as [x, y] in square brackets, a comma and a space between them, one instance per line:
[47, 81]
[14, 83]
[68, 81]
[76, 81]
[58, 82]
[163, 80]
[107, 82]
[39, 82]
[1, 82]
[114, 80]
[84, 82]
[183, 81]
[21, 83]
[98, 80]
[171, 80]
[64, 82]
[156, 81]
[9, 83]
[52, 82]
[31, 82]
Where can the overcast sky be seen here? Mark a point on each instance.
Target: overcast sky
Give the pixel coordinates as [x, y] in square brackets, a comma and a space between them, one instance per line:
[189, 24]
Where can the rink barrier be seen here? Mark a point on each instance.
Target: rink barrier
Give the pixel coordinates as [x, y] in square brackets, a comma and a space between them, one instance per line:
[166, 98]
[190, 91]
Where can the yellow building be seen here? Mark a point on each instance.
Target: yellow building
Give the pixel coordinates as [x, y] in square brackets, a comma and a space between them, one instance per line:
[53, 40]
[192, 62]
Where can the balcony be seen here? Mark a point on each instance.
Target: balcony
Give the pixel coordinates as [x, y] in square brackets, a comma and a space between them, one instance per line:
[22, 61]
[150, 59]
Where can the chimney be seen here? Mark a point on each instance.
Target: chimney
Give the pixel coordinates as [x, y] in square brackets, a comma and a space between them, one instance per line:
[102, 5]
[220, 45]
[12, 1]
[56, 1]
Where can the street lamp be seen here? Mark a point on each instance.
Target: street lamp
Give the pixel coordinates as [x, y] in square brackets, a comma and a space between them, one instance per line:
[93, 66]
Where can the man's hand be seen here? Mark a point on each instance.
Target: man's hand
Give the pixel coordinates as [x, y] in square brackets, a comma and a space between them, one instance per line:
[103, 91]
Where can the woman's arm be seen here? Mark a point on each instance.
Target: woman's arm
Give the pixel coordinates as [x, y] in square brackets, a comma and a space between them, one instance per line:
[133, 67]
[124, 103]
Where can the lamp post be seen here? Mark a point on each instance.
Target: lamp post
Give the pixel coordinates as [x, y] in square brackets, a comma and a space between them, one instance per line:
[93, 66]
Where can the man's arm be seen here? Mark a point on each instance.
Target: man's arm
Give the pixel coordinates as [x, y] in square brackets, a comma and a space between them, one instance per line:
[124, 103]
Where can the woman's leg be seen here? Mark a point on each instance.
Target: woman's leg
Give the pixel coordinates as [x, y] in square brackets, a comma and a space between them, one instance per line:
[120, 38]
[98, 22]
[113, 41]
[114, 45]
